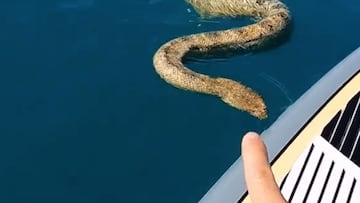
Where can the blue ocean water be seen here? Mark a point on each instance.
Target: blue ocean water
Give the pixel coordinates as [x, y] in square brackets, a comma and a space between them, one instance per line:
[85, 118]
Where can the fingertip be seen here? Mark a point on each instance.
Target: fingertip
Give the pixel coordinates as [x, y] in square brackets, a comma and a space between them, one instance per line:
[253, 149]
[251, 135]
[250, 140]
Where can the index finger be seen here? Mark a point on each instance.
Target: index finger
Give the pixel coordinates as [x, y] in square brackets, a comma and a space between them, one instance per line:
[259, 178]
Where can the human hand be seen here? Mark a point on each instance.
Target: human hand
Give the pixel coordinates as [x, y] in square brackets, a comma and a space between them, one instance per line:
[259, 178]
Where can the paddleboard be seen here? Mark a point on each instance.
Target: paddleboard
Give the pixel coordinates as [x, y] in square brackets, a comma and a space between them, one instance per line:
[313, 147]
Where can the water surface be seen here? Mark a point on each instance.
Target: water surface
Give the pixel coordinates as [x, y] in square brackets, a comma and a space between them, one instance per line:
[85, 118]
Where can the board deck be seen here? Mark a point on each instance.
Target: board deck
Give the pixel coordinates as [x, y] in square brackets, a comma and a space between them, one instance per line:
[319, 132]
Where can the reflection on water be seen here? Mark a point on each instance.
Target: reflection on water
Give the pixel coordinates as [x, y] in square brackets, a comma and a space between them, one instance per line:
[277, 84]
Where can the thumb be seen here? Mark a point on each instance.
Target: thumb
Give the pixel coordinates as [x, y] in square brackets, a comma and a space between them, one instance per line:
[259, 178]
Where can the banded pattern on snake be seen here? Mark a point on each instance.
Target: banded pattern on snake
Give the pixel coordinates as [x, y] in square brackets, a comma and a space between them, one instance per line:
[272, 16]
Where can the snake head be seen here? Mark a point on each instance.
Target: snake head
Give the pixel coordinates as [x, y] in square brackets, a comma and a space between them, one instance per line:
[243, 98]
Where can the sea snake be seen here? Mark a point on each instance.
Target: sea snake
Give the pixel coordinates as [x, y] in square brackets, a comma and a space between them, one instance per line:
[272, 16]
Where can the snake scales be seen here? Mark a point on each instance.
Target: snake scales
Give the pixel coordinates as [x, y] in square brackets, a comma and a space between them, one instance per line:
[271, 16]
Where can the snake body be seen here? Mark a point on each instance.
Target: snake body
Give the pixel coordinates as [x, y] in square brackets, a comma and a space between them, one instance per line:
[271, 16]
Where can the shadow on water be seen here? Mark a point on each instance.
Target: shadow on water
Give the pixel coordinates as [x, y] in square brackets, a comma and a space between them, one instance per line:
[224, 53]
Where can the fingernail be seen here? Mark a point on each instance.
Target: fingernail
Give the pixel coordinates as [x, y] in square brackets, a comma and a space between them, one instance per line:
[252, 135]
